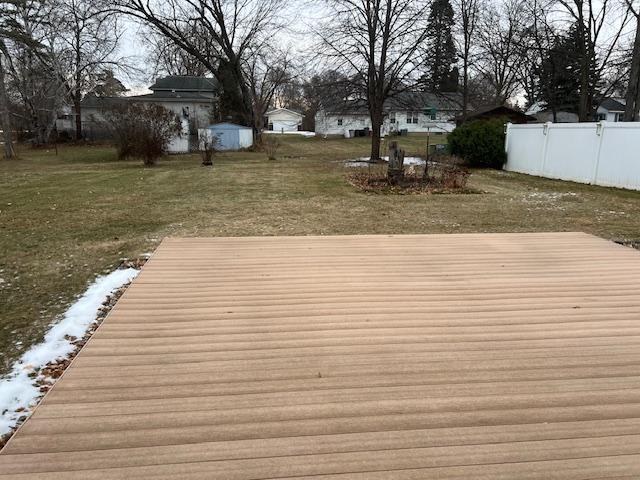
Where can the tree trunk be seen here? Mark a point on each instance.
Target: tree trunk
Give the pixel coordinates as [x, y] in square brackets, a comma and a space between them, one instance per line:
[585, 103]
[376, 126]
[395, 172]
[6, 118]
[77, 107]
[465, 89]
[632, 111]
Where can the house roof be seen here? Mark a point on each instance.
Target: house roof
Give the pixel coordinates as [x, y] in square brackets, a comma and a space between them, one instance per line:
[185, 84]
[91, 100]
[276, 110]
[501, 111]
[613, 105]
[405, 101]
[423, 100]
[178, 96]
[227, 126]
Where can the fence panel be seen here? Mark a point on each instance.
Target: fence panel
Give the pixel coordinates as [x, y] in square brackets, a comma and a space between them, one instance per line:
[602, 153]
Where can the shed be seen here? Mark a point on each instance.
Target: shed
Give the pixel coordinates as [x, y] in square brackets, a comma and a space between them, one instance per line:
[230, 136]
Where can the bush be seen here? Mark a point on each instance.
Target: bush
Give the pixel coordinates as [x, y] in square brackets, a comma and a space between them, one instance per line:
[270, 145]
[208, 144]
[142, 130]
[480, 143]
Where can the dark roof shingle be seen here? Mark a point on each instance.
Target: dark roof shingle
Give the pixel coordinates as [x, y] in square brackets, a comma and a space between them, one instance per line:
[184, 83]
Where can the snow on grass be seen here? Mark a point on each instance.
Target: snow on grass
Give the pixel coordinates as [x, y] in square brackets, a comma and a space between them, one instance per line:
[364, 161]
[18, 390]
[300, 132]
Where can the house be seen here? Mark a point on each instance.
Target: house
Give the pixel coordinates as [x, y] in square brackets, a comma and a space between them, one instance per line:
[408, 112]
[282, 120]
[611, 110]
[498, 112]
[543, 114]
[191, 98]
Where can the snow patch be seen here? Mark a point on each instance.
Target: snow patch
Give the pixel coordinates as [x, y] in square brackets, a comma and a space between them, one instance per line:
[18, 390]
[364, 161]
[301, 133]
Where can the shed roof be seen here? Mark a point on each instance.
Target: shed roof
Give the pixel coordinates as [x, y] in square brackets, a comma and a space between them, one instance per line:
[514, 115]
[228, 126]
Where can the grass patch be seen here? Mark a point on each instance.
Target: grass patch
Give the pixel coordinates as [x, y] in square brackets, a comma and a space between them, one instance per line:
[66, 218]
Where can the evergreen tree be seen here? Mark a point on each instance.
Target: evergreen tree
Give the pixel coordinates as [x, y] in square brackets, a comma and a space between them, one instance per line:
[441, 75]
[109, 86]
[560, 74]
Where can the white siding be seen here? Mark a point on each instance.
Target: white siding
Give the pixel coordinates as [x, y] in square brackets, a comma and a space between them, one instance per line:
[597, 153]
[284, 121]
[329, 124]
[180, 143]
[245, 137]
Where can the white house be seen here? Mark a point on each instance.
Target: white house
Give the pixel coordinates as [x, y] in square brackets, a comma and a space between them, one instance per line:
[543, 114]
[282, 120]
[413, 112]
[191, 98]
[611, 110]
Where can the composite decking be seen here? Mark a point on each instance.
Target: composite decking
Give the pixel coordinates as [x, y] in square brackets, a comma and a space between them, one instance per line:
[498, 356]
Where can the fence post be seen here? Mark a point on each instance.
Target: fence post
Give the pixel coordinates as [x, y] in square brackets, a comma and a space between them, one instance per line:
[600, 129]
[545, 132]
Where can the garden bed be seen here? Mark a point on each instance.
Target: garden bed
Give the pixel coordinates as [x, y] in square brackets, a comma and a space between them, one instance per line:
[440, 179]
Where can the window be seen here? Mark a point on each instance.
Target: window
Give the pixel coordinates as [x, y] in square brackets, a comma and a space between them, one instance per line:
[412, 117]
[340, 122]
[392, 118]
[601, 116]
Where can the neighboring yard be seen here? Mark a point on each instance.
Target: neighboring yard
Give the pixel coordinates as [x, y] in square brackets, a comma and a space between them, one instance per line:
[66, 218]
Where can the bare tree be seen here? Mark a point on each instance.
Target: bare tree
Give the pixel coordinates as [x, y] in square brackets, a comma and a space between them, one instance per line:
[467, 18]
[599, 24]
[167, 58]
[88, 36]
[11, 31]
[221, 34]
[266, 70]
[536, 42]
[377, 43]
[33, 72]
[502, 35]
[632, 111]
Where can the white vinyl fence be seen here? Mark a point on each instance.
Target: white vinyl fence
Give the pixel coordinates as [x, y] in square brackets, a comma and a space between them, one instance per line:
[601, 153]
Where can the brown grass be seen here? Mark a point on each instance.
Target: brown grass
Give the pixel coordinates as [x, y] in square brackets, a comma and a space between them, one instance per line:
[66, 218]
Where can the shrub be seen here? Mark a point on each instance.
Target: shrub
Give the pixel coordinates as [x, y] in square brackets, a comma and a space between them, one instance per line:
[270, 145]
[142, 130]
[480, 143]
[208, 144]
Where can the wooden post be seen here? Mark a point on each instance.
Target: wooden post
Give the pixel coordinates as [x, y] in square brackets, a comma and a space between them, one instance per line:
[395, 172]
[425, 177]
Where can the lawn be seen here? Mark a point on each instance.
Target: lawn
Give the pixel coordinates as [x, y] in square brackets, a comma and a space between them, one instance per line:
[68, 217]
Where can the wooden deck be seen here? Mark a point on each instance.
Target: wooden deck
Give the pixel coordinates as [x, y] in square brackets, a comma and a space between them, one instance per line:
[373, 357]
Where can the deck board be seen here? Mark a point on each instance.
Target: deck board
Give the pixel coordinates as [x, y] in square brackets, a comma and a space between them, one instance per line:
[485, 356]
